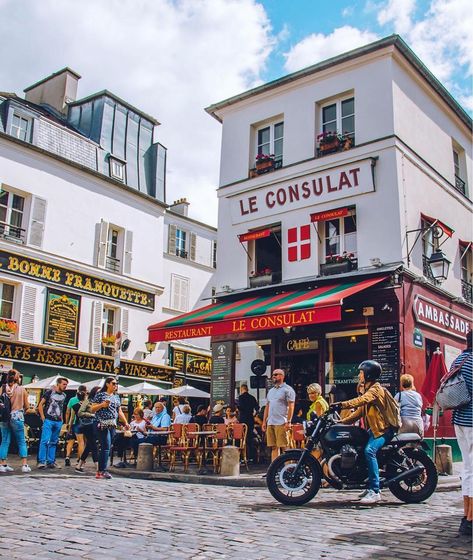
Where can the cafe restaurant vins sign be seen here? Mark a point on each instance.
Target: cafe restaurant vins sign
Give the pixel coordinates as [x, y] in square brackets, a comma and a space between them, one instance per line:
[308, 190]
[26, 267]
[58, 358]
[441, 318]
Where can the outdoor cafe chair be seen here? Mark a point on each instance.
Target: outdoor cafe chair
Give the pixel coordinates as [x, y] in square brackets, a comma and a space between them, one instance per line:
[181, 444]
[296, 436]
[237, 434]
[216, 442]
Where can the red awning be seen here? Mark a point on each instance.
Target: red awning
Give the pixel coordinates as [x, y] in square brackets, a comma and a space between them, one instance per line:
[435, 221]
[251, 235]
[329, 214]
[289, 309]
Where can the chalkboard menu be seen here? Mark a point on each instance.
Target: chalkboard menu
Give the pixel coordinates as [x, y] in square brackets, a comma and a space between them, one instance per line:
[61, 325]
[222, 372]
[385, 350]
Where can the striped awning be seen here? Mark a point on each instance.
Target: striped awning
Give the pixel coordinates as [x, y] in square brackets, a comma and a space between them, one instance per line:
[289, 309]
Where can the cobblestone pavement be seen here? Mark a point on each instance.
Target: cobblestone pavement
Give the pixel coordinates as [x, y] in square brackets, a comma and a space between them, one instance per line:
[57, 516]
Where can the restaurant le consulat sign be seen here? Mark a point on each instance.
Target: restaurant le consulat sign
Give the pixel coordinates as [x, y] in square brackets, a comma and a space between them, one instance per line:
[315, 188]
[26, 267]
[441, 318]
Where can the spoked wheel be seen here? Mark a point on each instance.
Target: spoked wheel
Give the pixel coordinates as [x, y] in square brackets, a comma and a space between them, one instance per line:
[419, 487]
[291, 489]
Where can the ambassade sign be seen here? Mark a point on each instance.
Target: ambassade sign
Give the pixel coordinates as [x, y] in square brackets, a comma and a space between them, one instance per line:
[315, 188]
[441, 318]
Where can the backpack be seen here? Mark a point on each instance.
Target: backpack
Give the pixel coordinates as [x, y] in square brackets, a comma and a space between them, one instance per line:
[392, 410]
[5, 406]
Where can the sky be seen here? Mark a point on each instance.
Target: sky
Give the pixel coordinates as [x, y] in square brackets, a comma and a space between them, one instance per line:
[173, 58]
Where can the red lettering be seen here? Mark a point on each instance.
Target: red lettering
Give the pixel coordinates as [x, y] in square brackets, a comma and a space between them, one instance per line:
[270, 203]
[281, 197]
[320, 190]
[293, 193]
[305, 189]
[252, 203]
[355, 172]
[344, 181]
[329, 185]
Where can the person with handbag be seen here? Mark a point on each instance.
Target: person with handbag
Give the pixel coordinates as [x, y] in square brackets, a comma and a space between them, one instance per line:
[87, 428]
[462, 420]
[16, 401]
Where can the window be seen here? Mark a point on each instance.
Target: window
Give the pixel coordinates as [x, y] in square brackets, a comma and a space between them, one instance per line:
[466, 263]
[109, 328]
[181, 240]
[339, 117]
[458, 165]
[112, 261]
[179, 293]
[270, 141]
[7, 293]
[117, 169]
[430, 244]
[266, 260]
[340, 236]
[20, 128]
[214, 254]
[11, 216]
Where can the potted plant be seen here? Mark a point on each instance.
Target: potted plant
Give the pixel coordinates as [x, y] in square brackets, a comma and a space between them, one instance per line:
[338, 264]
[7, 328]
[108, 341]
[264, 163]
[329, 142]
[261, 277]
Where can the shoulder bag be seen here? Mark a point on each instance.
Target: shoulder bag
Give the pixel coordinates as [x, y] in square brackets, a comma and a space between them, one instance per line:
[453, 391]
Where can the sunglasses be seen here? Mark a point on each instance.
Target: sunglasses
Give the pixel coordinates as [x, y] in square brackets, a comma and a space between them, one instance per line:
[114, 383]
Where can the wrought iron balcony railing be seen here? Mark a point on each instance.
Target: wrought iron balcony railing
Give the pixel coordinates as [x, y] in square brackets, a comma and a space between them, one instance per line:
[467, 291]
[12, 233]
[460, 184]
[112, 264]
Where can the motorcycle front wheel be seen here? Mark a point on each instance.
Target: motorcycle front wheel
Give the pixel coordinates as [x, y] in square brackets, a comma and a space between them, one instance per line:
[418, 488]
[289, 489]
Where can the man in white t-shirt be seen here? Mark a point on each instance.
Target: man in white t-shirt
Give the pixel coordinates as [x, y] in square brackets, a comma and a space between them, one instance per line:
[278, 413]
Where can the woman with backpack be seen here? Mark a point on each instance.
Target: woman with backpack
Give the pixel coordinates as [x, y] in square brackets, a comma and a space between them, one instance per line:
[410, 402]
[87, 429]
[15, 402]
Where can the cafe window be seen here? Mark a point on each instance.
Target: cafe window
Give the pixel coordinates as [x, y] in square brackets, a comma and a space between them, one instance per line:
[266, 258]
[7, 294]
[12, 207]
[340, 236]
[345, 351]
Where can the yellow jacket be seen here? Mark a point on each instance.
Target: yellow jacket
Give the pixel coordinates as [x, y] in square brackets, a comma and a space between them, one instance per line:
[319, 406]
[370, 406]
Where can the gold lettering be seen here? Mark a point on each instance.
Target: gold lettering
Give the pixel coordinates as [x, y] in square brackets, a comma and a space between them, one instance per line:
[77, 281]
[13, 264]
[24, 267]
[56, 275]
[91, 363]
[41, 355]
[69, 278]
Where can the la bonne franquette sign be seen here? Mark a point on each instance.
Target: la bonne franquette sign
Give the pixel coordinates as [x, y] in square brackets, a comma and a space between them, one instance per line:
[307, 190]
[441, 318]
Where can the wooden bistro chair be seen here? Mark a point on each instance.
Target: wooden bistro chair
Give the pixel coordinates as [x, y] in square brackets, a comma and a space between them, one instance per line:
[182, 444]
[174, 443]
[237, 433]
[297, 436]
[216, 442]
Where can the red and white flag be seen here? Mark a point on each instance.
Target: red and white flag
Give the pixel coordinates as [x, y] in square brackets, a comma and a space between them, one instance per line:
[298, 243]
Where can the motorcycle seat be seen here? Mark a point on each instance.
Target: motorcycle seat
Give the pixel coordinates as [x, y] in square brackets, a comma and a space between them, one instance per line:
[406, 437]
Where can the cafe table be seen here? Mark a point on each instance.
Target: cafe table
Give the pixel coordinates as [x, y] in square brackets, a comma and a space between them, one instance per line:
[203, 440]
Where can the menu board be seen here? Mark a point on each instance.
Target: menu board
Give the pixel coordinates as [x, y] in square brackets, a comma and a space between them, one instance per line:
[385, 350]
[222, 373]
[61, 325]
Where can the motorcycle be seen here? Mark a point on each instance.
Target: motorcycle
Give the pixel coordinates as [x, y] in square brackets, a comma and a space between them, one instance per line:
[334, 452]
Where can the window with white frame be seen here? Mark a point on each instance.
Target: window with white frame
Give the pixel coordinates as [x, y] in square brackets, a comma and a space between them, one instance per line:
[430, 244]
[117, 169]
[7, 295]
[459, 166]
[21, 127]
[12, 207]
[340, 237]
[214, 254]
[270, 139]
[181, 243]
[179, 293]
[466, 264]
[109, 328]
[113, 262]
[339, 116]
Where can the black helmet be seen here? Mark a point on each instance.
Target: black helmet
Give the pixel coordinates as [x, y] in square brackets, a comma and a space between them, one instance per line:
[371, 369]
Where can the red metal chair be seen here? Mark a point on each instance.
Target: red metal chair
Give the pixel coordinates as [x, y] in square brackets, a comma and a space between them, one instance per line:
[215, 443]
[237, 433]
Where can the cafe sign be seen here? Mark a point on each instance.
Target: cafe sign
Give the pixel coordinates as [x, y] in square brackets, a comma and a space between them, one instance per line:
[441, 318]
[26, 267]
[191, 363]
[299, 344]
[61, 325]
[91, 363]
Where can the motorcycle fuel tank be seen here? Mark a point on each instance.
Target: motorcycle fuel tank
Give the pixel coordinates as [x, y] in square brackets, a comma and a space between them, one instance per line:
[340, 435]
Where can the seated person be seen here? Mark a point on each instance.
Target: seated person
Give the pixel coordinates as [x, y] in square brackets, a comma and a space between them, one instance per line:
[200, 417]
[161, 421]
[230, 416]
[217, 415]
[185, 416]
[122, 442]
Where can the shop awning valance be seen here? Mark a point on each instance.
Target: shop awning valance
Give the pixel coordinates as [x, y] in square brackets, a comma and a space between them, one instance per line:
[258, 313]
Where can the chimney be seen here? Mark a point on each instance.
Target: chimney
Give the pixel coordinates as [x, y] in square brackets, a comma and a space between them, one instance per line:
[56, 90]
[180, 206]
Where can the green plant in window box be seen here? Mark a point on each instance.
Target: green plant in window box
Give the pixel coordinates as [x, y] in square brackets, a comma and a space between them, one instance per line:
[109, 340]
[7, 327]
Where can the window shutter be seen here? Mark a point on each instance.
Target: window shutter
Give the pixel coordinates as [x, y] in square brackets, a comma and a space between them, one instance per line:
[172, 239]
[193, 243]
[180, 293]
[96, 323]
[184, 294]
[124, 318]
[28, 306]
[175, 292]
[101, 240]
[127, 257]
[38, 216]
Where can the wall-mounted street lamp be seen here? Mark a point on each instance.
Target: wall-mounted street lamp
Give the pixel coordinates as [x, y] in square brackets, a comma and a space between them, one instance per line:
[439, 266]
[150, 348]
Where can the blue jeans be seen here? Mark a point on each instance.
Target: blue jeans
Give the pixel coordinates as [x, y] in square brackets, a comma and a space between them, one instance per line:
[371, 449]
[17, 427]
[49, 438]
[105, 438]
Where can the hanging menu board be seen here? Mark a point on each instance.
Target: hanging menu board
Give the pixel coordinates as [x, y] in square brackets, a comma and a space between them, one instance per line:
[385, 350]
[222, 373]
[61, 325]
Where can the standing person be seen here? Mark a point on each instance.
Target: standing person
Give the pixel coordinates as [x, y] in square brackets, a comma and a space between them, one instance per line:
[16, 425]
[51, 410]
[107, 407]
[247, 408]
[181, 401]
[410, 402]
[318, 404]
[462, 420]
[371, 406]
[87, 424]
[72, 421]
[278, 413]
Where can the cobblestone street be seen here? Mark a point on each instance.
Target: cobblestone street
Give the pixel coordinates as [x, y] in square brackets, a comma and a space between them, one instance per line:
[55, 516]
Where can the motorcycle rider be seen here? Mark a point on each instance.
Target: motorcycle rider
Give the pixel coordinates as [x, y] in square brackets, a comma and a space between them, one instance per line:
[370, 406]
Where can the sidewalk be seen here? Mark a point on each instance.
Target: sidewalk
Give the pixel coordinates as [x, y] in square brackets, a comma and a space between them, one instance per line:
[252, 479]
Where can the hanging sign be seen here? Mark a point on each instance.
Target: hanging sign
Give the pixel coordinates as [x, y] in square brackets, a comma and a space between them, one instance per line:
[252, 235]
[329, 215]
[418, 338]
[441, 318]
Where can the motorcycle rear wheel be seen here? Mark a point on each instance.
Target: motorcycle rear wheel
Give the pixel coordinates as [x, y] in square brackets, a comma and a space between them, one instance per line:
[293, 491]
[418, 488]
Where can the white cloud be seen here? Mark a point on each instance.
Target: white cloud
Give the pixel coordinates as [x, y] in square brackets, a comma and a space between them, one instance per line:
[170, 58]
[399, 12]
[317, 47]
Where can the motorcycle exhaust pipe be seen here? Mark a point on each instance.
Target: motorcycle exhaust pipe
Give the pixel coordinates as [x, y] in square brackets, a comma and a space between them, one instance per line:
[402, 476]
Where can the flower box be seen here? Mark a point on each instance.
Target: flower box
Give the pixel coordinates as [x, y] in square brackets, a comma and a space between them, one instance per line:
[8, 328]
[6, 334]
[261, 280]
[264, 165]
[329, 147]
[328, 269]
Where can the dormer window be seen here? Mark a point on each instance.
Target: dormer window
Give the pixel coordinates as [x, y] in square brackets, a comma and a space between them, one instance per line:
[21, 128]
[117, 169]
